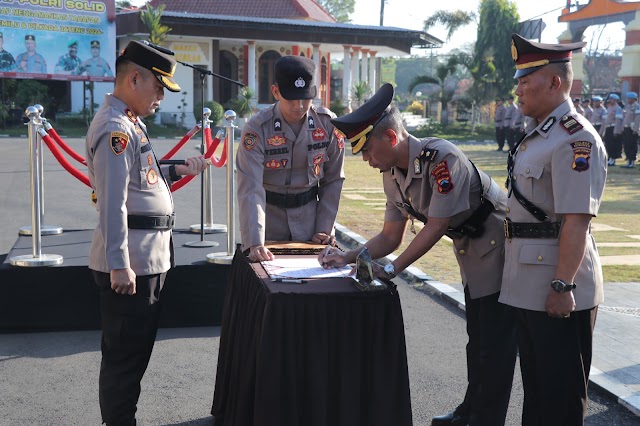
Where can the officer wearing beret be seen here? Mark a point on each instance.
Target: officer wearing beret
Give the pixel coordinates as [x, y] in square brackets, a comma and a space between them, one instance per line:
[7, 63]
[598, 114]
[552, 272]
[612, 130]
[31, 61]
[96, 66]
[290, 165]
[131, 250]
[586, 106]
[578, 107]
[69, 62]
[631, 115]
[432, 180]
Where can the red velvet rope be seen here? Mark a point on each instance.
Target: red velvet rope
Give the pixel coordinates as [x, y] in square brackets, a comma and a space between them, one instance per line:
[185, 180]
[64, 162]
[180, 144]
[223, 157]
[79, 158]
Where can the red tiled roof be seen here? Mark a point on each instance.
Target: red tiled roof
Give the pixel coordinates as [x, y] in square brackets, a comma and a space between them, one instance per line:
[308, 10]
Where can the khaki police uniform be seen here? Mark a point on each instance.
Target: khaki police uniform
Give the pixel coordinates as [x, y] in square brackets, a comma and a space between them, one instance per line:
[597, 117]
[509, 112]
[498, 120]
[612, 124]
[588, 111]
[517, 124]
[630, 130]
[279, 175]
[96, 67]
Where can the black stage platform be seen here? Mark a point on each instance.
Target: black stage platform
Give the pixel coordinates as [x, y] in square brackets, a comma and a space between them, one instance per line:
[65, 297]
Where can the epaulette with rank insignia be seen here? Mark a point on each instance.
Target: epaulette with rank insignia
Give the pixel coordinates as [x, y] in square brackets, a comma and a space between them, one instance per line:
[571, 124]
[428, 154]
[325, 111]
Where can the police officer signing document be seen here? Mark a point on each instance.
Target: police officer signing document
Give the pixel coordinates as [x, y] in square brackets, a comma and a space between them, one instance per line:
[552, 272]
[433, 181]
[290, 165]
[131, 250]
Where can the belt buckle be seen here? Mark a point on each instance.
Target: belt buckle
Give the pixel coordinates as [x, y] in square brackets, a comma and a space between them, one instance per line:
[507, 234]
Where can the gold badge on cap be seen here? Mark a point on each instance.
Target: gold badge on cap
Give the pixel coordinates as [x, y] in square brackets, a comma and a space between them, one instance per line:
[514, 51]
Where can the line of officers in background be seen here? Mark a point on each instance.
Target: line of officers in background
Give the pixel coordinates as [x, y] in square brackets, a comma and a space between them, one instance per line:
[618, 124]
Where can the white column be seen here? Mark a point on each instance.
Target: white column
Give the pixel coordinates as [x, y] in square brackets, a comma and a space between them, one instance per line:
[346, 77]
[251, 65]
[316, 60]
[355, 65]
[372, 71]
[364, 69]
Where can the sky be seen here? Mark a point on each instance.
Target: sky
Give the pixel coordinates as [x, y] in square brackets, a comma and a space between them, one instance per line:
[411, 14]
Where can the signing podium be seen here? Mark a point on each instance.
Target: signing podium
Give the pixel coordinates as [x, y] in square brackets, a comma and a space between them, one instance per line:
[320, 353]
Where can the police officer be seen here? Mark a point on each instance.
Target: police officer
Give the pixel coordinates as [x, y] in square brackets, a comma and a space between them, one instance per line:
[96, 66]
[517, 125]
[7, 63]
[578, 107]
[630, 131]
[509, 112]
[131, 250]
[498, 120]
[611, 128]
[586, 106]
[598, 114]
[552, 272]
[290, 165]
[433, 181]
[31, 61]
[69, 62]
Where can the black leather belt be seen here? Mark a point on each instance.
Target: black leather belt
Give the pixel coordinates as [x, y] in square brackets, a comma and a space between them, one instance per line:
[292, 201]
[161, 223]
[531, 230]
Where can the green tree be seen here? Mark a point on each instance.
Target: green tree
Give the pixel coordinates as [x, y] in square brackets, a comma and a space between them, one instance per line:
[498, 20]
[150, 17]
[452, 21]
[443, 72]
[123, 4]
[339, 9]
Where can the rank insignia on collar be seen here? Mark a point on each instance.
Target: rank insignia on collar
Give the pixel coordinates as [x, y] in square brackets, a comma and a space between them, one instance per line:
[417, 165]
[312, 123]
[548, 124]
[131, 116]
[119, 142]
[249, 141]
[318, 134]
[442, 176]
[276, 141]
[581, 155]
[277, 125]
[570, 124]
[428, 154]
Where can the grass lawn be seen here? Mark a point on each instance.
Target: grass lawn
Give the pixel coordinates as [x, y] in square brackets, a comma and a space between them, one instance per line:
[362, 211]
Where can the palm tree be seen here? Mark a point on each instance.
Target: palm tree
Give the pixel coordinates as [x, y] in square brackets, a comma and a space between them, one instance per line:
[451, 20]
[150, 17]
[443, 71]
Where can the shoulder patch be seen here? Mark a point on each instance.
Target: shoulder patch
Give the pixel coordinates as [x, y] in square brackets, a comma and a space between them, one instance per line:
[581, 155]
[548, 124]
[339, 137]
[119, 142]
[571, 124]
[442, 176]
[249, 141]
[428, 154]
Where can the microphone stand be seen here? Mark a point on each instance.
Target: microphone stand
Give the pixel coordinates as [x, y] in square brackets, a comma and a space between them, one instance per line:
[219, 228]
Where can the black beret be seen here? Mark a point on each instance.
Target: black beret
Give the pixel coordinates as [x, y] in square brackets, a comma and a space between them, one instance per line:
[295, 77]
[530, 55]
[95, 43]
[358, 124]
[160, 64]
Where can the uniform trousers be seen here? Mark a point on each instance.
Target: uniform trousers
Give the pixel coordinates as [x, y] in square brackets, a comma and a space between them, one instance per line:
[555, 359]
[612, 143]
[630, 141]
[491, 358]
[500, 137]
[508, 136]
[129, 326]
[296, 224]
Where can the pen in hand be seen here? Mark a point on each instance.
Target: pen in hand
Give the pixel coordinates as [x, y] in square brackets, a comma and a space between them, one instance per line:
[327, 251]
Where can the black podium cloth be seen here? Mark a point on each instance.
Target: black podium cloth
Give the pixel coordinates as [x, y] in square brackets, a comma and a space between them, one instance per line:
[316, 354]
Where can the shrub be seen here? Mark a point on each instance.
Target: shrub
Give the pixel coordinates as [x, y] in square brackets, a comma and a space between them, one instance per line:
[416, 108]
[217, 112]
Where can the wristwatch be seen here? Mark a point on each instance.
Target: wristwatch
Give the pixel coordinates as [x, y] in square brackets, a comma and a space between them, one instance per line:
[560, 286]
[390, 270]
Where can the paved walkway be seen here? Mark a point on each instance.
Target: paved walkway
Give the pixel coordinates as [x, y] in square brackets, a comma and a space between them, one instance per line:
[616, 355]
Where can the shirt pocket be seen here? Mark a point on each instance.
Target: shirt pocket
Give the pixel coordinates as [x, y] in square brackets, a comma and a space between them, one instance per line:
[539, 254]
[528, 181]
[149, 174]
[316, 161]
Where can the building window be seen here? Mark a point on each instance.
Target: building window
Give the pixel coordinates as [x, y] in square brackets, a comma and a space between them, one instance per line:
[229, 69]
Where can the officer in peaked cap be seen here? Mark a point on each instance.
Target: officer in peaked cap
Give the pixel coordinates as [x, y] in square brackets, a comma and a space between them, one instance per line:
[95, 66]
[31, 61]
[552, 272]
[290, 165]
[132, 248]
[433, 181]
[95, 43]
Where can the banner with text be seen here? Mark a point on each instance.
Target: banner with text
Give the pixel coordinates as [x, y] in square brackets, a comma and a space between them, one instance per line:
[58, 39]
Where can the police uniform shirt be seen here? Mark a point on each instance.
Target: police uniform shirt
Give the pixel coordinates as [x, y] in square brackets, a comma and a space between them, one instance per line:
[560, 166]
[618, 119]
[67, 63]
[272, 158]
[7, 63]
[636, 119]
[96, 67]
[31, 63]
[448, 187]
[588, 111]
[598, 115]
[500, 111]
[508, 115]
[127, 180]
[629, 115]
[518, 119]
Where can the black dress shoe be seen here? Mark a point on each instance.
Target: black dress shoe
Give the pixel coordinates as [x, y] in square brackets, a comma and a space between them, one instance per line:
[454, 418]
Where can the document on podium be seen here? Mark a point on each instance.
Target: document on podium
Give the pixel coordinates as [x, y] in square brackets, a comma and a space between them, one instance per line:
[308, 267]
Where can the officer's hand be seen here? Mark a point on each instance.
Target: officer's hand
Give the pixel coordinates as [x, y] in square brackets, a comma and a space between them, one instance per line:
[560, 305]
[332, 258]
[322, 238]
[259, 253]
[123, 281]
[194, 166]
